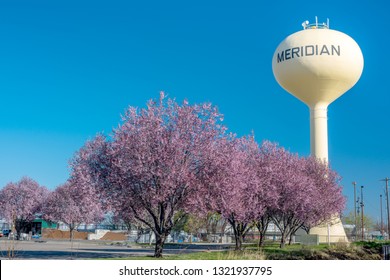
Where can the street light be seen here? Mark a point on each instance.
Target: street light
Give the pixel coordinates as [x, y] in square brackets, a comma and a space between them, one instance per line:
[354, 204]
[381, 215]
[362, 207]
[387, 201]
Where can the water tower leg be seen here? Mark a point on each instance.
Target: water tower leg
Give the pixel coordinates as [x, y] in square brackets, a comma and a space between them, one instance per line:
[319, 131]
[332, 231]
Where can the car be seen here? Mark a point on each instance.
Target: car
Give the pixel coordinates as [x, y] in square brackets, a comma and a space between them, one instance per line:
[6, 232]
[1, 234]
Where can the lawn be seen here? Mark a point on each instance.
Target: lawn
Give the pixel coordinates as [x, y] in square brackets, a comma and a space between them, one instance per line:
[342, 251]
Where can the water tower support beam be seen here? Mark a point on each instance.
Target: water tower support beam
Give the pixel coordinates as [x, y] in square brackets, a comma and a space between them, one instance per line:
[319, 132]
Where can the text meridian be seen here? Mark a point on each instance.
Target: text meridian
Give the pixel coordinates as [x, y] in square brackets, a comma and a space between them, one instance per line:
[309, 50]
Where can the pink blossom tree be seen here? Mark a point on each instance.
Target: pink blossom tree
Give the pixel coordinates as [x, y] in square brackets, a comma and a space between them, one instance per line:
[21, 201]
[293, 190]
[238, 187]
[150, 167]
[328, 200]
[72, 204]
[307, 191]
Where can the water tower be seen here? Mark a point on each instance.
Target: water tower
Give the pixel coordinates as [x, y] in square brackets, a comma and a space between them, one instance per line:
[317, 65]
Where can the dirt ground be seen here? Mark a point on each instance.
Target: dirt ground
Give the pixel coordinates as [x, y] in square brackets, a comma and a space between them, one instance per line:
[59, 234]
[114, 236]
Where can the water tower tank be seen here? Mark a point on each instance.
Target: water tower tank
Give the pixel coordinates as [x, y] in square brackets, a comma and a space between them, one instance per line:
[317, 65]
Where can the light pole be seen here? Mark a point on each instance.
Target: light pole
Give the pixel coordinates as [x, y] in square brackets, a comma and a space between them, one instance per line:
[362, 207]
[387, 201]
[358, 214]
[354, 205]
[381, 215]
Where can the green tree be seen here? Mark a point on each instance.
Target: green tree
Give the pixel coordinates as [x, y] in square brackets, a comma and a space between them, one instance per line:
[349, 219]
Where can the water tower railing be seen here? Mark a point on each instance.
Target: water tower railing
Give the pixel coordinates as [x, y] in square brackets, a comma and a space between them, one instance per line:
[316, 26]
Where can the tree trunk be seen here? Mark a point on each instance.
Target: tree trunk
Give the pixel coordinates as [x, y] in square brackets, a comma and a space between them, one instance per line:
[160, 241]
[283, 240]
[262, 225]
[17, 230]
[290, 239]
[239, 240]
[261, 240]
[239, 230]
[71, 232]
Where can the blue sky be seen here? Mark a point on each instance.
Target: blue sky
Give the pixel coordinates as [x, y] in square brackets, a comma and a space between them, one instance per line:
[68, 69]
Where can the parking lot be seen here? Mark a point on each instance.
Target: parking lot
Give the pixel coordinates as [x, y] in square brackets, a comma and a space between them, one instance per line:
[83, 249]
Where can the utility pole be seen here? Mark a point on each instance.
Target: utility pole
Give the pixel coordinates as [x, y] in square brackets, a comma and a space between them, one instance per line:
[354, 204]
[358, 214]
[362, 207]
[381, 216]
[387, 201]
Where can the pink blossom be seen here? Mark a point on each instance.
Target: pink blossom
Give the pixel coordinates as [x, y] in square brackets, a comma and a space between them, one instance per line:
[21, 201]
[150, 167]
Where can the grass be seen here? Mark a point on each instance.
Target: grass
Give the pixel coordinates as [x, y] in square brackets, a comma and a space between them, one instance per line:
[338, 251]
[271, 251]
[211, 255]
[223, 255]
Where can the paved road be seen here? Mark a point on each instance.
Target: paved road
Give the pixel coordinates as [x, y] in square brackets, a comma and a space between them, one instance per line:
[65, 250]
